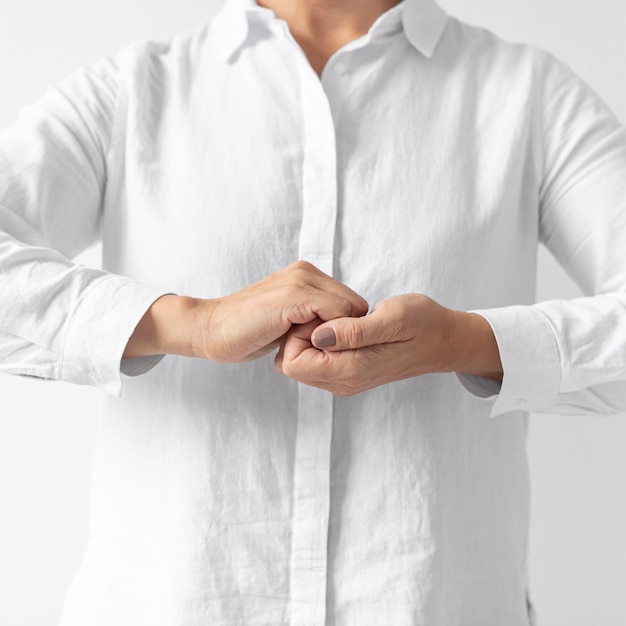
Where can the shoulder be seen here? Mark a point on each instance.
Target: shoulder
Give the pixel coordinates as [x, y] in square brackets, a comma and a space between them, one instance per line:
[485, 60]
[476, 47]
[163, 61]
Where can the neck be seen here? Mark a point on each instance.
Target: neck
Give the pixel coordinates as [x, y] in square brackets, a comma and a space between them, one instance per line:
[321, 27]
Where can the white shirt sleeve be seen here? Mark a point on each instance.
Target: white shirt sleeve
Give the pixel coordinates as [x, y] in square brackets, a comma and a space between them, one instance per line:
[569, 357]
[58, 319]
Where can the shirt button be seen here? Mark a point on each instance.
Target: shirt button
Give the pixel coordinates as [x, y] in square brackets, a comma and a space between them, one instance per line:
[340, 68]
[520, 402]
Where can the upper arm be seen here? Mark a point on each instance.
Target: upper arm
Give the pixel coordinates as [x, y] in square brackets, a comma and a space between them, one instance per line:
[583, 192]
[53, 162]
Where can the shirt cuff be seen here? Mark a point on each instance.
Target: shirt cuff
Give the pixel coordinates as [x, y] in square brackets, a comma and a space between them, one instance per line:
[530, 361]
[99, 330]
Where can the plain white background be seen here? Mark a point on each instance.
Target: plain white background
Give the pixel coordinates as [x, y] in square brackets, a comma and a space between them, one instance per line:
[47, 429]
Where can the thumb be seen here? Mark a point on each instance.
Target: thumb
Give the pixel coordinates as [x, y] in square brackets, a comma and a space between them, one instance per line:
[349, 333]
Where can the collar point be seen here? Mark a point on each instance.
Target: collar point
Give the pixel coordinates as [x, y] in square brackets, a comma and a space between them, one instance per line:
[424, 22]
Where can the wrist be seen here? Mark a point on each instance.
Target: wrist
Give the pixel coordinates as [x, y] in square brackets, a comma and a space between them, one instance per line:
[474, 347]
[169, 326]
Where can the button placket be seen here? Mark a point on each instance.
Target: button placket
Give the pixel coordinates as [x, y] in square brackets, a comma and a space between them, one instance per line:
[311, 504]
[335, 81]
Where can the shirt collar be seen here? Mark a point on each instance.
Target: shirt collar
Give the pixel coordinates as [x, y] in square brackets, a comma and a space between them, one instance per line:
[423, 22]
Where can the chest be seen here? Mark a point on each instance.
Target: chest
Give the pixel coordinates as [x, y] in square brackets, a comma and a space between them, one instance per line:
[389, 176]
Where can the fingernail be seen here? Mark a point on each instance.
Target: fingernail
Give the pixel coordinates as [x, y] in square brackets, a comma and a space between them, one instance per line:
[324, 338]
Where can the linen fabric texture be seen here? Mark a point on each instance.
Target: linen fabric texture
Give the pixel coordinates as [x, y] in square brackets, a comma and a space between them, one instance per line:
[430, 157]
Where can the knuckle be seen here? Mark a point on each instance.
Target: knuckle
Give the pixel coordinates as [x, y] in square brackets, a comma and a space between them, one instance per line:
[288, 369]
[301, 266]
[362, 306]
[347, 391]
[344, 306]
[353, 335]
[297, 311]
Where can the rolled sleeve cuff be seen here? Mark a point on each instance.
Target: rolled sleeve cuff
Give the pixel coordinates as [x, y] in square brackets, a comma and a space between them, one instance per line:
[99, 330]
[530, 361]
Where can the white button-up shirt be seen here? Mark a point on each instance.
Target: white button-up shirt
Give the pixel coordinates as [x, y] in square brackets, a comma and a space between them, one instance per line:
[428, 157]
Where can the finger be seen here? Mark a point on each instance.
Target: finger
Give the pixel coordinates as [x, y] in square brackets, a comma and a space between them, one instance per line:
[346, 372]
[352, 333]
[328, 305]
[304, 273]
[261, 352]
[356, 305]
[294, 343]
[353, 304]
[278, 360]
[306, 364]
[311, 293]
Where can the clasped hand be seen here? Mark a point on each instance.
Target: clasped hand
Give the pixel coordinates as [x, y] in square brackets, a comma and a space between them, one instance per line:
[404, 336]
[323, 335]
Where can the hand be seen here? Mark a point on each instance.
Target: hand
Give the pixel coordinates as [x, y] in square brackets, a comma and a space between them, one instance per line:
[404, 336]
[247, 324]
